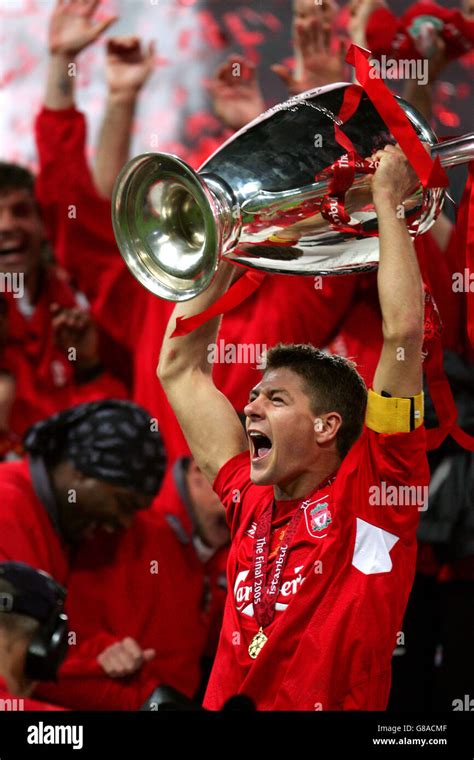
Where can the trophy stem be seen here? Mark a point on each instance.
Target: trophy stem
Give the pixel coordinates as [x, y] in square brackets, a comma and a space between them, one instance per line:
[226, 211]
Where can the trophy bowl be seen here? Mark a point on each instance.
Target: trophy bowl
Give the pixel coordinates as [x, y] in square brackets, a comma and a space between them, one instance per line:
[256, 203]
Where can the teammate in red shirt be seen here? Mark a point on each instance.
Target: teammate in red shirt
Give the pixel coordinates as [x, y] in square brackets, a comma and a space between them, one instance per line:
[51, 347]
[322, 560]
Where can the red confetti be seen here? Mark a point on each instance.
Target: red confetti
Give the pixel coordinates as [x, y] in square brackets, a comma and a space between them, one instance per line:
[445, 117]
[200, 122]
[180, 96]
[206, 147]
[267, 19]
[342, 19]
[243, 36]
[184, 39]
[28, 62]
[212, 34]
[271, 21]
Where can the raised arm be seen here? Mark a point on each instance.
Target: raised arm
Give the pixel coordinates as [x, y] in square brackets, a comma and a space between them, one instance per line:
[318, 59]
[71, 30]
[399, 371]
[128, 66]
[208, 420]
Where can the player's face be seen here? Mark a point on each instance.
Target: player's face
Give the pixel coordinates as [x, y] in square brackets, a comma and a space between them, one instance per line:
[280, 428]
[100, 506]
[21, 232]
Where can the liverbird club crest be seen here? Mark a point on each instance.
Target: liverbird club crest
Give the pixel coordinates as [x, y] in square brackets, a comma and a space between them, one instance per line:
[318, 517]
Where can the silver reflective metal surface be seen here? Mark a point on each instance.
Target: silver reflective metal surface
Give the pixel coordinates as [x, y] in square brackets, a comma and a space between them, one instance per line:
[255, 202]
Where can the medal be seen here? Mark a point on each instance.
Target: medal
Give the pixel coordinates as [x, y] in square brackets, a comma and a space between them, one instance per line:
[257, 644]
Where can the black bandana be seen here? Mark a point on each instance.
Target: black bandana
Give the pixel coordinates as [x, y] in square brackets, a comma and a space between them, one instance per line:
[109, 440]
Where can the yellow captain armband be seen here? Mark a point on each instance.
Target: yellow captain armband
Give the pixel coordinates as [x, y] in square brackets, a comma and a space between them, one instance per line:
[386, 414]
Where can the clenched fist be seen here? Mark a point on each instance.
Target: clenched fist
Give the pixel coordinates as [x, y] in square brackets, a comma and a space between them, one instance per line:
[124, 658]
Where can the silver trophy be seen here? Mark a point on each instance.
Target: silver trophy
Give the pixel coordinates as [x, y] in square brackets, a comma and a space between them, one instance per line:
[255, 201]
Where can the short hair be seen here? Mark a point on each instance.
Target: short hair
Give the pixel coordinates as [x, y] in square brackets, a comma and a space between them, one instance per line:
[13, 623]
[16, 177]
[332, 384]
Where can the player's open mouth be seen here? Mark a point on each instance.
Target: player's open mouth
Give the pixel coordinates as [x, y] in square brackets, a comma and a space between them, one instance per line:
[261, 445]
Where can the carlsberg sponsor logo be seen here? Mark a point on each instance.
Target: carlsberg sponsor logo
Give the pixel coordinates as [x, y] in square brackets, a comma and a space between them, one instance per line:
[45, 734]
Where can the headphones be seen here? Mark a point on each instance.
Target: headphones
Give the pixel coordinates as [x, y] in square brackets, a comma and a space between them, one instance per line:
[37, 595]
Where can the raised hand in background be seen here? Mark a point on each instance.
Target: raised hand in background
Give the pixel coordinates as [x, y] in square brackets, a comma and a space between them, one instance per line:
[236, 94]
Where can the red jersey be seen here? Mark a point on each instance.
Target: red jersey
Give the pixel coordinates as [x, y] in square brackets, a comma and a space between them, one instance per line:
[344, 587]
[26, 530]
[285, 308]
[173, 505]
[44, 377]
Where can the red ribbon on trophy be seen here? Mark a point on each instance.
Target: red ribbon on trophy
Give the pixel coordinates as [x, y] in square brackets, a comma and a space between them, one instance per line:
[440, 390]
[430, 174]
[236, 294]
[342, 172]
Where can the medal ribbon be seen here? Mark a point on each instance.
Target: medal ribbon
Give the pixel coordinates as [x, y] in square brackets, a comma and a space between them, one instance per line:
[342, 172]
[264, 595]
[429, 172]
